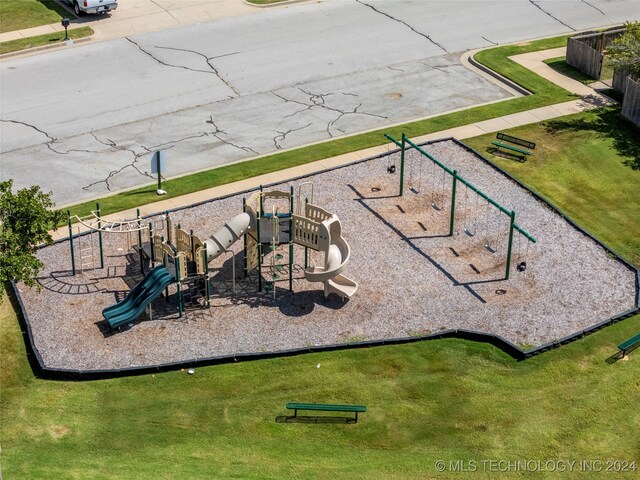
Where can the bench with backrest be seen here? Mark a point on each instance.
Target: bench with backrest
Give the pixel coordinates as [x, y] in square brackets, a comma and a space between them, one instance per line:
[509, 142]
[630, 344]
[324, 407]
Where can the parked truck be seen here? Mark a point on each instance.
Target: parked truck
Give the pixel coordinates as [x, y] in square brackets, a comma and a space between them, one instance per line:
[92, 6]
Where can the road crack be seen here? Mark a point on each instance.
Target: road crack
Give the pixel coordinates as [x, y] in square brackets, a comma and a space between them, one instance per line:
[132, 165]
[218, 131]
[593, 6]
[283, 135]
[405, 24]
[211, 70]
[318, 100]
[490, 41]
[51, 140]
[18, 122]
[535, 4]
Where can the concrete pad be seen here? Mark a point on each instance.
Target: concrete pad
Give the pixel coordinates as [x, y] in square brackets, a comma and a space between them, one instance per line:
[544, 113]
[521, 118]
[494, 125]
[569, 108]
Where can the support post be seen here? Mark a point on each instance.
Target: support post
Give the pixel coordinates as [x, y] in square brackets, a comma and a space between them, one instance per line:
[291, 241]
[164, 264]
[261, 202]
[167, 226]
[100, 235]
[510, 246]
[402, 165]
[206, 276]
[306, 249]
[73, 259]
[245, 266]
[140, 242]
[153, 253]
[177, 264]
[259, 250]
[452, 218]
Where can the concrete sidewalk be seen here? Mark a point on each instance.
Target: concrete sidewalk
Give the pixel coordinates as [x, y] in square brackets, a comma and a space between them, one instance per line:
[534, 61]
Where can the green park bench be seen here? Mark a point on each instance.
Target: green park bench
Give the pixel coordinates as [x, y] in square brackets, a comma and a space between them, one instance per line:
[629, 344]
[507, 141]
[323, 407]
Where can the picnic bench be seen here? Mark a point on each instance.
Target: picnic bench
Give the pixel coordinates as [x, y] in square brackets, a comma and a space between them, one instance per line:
[324, 407]
[629, 344]
[509, 142]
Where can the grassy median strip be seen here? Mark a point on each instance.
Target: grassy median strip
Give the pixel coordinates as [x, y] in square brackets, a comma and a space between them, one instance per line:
[41, 40]
[544, 93]
[19, 14]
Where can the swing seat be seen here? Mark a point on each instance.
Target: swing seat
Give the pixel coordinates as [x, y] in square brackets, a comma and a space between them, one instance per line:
[391, 169]
[522, 266]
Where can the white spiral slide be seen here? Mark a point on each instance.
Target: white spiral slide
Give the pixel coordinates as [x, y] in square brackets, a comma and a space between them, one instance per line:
[337, 253]
[228, 234]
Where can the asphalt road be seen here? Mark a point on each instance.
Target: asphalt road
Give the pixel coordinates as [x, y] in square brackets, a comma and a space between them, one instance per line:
[82, 122]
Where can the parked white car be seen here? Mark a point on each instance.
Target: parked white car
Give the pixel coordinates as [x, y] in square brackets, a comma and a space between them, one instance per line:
[92, 6]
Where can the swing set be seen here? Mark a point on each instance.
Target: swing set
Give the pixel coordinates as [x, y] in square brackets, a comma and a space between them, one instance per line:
[406, 144]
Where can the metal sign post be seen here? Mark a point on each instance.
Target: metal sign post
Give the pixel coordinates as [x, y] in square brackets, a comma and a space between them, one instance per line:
[159, 163]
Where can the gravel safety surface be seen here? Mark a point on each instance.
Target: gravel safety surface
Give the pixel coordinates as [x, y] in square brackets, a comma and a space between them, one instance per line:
[414, 279]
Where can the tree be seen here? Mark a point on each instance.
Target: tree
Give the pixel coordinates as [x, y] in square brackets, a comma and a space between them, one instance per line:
[624, 51]
[25, 219]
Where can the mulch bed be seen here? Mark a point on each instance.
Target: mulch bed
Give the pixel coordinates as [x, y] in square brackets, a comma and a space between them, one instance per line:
[413, 278]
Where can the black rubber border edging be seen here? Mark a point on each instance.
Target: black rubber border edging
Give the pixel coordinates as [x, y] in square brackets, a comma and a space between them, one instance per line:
[497, 341]
[510, 83]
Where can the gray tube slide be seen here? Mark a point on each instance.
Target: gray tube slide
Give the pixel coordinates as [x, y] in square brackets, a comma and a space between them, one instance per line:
[227, 235]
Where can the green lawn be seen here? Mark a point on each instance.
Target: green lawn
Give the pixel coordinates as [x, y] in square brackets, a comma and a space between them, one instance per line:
[589, 164]
[439, 400]
[560, 65]
[40, 40]
[545, 93]
[445, 399]
[19, 14]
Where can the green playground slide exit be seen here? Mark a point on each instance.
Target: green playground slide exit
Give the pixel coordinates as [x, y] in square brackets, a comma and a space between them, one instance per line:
[139, 297]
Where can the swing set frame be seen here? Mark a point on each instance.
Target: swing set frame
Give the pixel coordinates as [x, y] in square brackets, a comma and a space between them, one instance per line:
[455, 178]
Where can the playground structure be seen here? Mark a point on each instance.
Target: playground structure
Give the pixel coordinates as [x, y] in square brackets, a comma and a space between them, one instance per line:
[470, 226]
[414, 282]
[270, 228]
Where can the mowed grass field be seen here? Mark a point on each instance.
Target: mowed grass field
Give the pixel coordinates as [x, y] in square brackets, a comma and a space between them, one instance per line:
[440, 400]
[19, 14]
[450, 400]
[589, 165]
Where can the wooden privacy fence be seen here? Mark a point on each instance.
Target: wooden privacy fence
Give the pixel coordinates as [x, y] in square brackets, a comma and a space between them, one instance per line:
[619, 83]
[585, 51]
[631, 101]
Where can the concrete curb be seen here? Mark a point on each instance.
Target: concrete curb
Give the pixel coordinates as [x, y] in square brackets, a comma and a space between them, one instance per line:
[277, 4]
[54, 46]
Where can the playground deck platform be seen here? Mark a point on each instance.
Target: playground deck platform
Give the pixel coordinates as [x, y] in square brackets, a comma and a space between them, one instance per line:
[414, 279]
